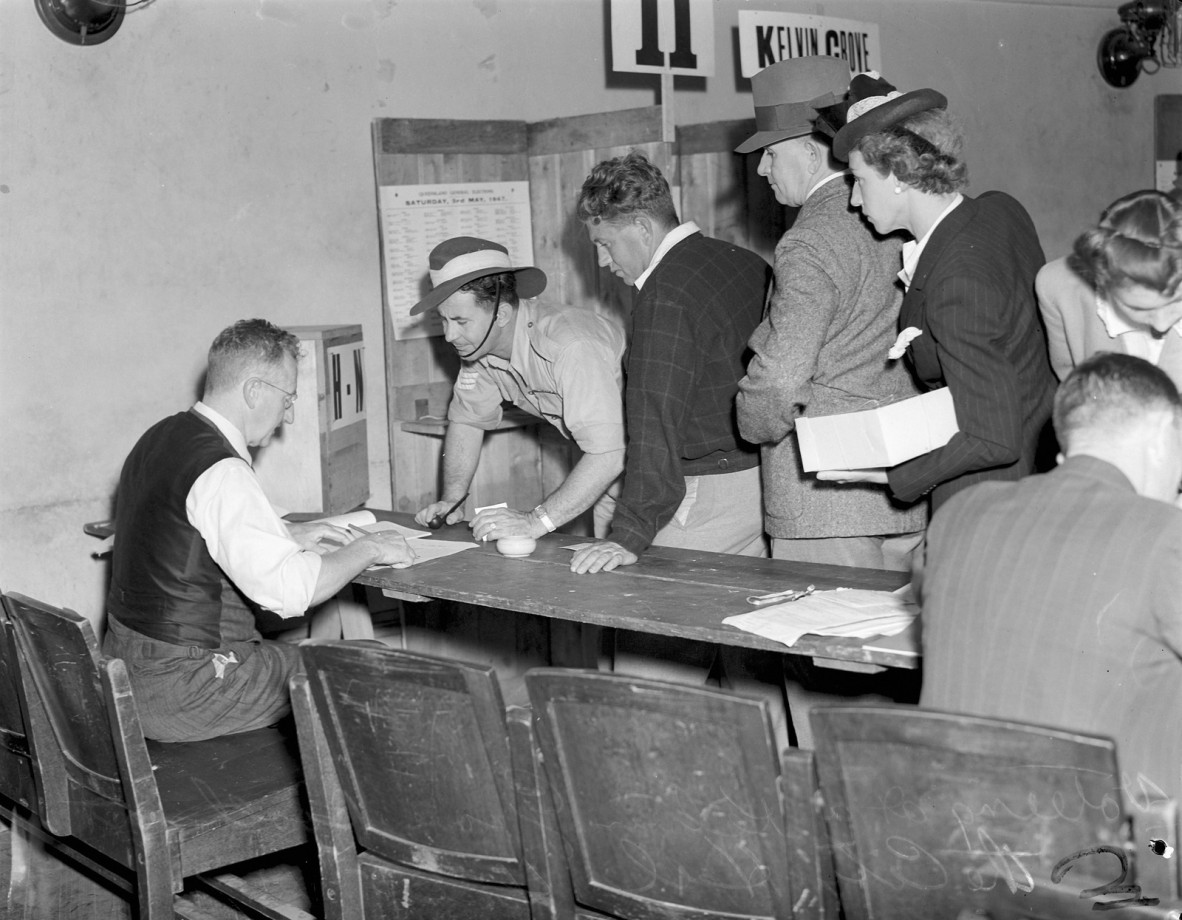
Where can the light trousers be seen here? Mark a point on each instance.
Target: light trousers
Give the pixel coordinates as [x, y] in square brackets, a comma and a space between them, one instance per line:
[721, 513]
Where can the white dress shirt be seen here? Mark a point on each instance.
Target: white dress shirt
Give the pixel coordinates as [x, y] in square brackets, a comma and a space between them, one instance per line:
[913, 249]
[245, 535]
[1137, 341]
[672, 238]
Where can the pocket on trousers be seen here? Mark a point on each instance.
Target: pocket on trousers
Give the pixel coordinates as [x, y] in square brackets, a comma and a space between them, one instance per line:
[681, 516]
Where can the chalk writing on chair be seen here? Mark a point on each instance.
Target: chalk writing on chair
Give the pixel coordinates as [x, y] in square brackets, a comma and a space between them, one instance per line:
[722, 855]
[732, 872]
[989, 843]
[1116, 886]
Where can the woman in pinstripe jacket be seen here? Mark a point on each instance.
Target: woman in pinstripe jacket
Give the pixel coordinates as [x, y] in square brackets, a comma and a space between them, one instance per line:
[970, 315]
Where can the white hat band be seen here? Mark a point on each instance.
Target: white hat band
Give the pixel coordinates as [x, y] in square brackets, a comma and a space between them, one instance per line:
[862, 106]
[470, 262]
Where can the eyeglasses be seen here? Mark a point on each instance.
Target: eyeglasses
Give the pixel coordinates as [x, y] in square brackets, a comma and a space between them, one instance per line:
[288, 398]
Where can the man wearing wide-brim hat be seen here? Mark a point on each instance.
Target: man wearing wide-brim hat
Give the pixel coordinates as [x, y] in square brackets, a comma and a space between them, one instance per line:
[560, 363]
[822, 348]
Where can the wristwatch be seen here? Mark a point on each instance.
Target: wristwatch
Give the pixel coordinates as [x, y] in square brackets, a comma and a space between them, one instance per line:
[544, 518]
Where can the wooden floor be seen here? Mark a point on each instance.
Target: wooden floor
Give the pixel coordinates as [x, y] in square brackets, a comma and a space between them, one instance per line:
[38, 885]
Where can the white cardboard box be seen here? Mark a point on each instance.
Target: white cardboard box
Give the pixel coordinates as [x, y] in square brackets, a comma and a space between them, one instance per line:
[877, 437]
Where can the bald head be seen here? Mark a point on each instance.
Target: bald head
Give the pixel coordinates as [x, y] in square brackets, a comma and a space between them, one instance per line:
[1127, 411]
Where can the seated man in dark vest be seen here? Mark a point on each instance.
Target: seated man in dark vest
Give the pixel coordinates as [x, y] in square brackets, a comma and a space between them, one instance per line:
[197, 544]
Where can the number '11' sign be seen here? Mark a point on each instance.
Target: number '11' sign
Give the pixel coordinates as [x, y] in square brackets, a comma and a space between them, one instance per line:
[663, 36]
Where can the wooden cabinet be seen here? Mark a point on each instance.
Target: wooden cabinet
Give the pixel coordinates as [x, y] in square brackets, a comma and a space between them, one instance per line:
[321, 461]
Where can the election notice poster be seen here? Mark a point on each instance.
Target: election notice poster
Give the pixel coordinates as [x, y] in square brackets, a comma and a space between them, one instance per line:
[417, 218]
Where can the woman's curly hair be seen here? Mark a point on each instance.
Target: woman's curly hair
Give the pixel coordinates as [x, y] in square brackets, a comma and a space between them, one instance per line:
[923, 151]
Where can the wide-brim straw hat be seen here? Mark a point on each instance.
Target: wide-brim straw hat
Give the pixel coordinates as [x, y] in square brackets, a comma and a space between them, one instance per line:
[871, 114]
[455, 262]
[787, 95]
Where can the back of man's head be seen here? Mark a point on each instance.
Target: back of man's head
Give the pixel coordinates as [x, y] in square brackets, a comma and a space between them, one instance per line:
[624, 186]
[1127, 411]
[243, 350]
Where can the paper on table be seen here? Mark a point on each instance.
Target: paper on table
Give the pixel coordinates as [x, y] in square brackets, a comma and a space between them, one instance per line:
[843, 612]
[426, 550]
[356, 518]
[365, 520]
[379, 526]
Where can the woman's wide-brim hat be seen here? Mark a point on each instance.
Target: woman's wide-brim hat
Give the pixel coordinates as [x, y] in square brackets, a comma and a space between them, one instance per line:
[455, 262]
[871, 110]
[787, 95]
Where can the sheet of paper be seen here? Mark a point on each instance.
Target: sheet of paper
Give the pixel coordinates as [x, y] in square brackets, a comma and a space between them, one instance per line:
[356, 518]
[843, 612]
[426, 550]
[908, 642]
[380, 526]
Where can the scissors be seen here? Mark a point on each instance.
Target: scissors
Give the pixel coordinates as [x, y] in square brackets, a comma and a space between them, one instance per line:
[780, 597]
[436, 522]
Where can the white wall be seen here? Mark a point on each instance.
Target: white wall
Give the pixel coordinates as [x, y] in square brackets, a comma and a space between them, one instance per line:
[212, 161]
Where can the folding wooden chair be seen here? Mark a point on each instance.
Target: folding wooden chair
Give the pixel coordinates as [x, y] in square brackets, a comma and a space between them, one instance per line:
[673, 804]
[419, 788]
[934, 813]
[148, 815]
[17, 785]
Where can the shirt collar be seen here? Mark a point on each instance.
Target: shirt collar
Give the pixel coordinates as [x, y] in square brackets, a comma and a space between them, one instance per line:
[913, 249]
[1116, 325]
[672, 238]
[841, 174]
[226, 427]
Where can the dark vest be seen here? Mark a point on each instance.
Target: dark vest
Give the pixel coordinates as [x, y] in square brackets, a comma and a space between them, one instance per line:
[164, 583]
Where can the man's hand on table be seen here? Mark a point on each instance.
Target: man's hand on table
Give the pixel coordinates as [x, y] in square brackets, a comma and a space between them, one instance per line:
[495, 523]
[601, 556]
[390, 548]
[319, 537]
[877, 475]
[426, 514]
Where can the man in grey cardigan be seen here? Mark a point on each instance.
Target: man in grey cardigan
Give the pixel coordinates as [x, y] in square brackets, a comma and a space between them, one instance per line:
[822, 346]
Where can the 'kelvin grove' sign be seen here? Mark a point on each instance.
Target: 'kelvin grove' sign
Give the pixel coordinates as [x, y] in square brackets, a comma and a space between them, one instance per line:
[766, 37]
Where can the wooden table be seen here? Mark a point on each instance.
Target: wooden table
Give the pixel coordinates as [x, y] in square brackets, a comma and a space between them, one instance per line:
[672, 592]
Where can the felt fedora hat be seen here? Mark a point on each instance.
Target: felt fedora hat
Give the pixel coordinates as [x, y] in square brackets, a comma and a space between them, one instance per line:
[787, 95]
[455, 262]
[874, 106]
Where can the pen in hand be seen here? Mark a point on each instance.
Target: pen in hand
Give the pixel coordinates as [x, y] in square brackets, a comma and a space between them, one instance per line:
[440, 519]
[360, 532]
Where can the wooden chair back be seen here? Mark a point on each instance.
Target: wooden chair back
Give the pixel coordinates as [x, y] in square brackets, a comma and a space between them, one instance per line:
[414, 784]
[17, 784]
[76, 761]
[931, 813]
[148, 815]
[672, 801]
